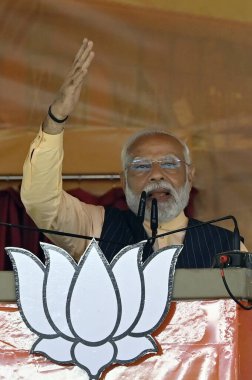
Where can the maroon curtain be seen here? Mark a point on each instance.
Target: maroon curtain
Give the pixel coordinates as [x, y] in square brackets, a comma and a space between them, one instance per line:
[12, 211]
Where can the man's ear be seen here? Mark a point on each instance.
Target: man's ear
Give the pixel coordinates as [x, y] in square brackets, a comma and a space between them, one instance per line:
[191, 174]
[123, 179]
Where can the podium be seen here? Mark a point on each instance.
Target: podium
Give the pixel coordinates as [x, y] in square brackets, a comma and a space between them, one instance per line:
[206, 335]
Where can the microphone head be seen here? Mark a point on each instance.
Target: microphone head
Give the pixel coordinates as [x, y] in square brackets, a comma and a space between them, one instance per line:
[237, 239]
[141, 207]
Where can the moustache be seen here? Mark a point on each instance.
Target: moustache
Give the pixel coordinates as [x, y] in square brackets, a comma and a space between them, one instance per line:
[161, 186]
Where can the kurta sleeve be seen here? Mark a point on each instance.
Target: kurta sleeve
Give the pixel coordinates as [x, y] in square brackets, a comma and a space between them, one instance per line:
[48, 204]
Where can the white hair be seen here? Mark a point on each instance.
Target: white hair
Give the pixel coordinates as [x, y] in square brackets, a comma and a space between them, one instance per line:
[125, 156]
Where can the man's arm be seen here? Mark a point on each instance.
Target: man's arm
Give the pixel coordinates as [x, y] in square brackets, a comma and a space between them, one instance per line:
[41, 191]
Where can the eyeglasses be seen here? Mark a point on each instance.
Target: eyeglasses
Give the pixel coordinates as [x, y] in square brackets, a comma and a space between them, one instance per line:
[144, 165]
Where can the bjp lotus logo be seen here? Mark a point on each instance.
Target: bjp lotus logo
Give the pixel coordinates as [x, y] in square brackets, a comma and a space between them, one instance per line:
[94, 314]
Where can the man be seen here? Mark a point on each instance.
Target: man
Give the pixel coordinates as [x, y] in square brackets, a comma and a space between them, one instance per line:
[153, 161]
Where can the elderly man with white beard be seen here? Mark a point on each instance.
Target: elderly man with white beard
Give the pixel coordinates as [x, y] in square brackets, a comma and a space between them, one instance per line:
[153, 161]
[146, 169]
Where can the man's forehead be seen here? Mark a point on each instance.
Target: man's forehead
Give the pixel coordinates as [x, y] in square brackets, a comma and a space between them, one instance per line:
[168, 157]
[164, 144]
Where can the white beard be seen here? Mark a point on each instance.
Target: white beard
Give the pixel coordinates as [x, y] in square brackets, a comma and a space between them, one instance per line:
[167, 210]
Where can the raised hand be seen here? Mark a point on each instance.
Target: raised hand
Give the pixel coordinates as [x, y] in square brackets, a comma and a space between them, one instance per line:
[68, 96]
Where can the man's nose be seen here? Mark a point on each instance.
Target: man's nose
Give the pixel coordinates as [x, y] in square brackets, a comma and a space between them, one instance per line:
[156, 173]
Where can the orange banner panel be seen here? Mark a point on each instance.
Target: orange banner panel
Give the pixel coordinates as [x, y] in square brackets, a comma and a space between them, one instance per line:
[199, 340]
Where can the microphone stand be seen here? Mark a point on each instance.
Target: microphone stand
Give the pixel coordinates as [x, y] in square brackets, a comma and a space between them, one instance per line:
[236, 230]
[55, 232]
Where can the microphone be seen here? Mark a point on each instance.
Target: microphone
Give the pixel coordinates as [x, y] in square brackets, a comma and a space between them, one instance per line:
[141, 207]
[237, 237]
[154, 220]
[154, 215]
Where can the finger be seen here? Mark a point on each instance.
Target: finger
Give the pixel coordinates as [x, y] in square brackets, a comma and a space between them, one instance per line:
[81, 71]
[80, 68]
[83, 62]
[84, 51]
[76, 75]
[88, 61]
[78, 82]
[81, 49]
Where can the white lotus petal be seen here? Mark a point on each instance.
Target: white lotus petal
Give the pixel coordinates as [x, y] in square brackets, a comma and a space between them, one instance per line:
[57, 349]
[158, 279]
[60, 269]
[29, 276]
[94, 358]
[93, 304]
[131, 348]
[126, 267]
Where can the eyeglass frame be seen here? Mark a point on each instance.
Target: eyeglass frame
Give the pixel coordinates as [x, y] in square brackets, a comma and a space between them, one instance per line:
[159, 161]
